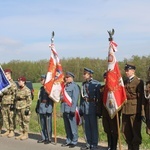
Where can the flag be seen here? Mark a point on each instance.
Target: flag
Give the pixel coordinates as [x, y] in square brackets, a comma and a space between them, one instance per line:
[4, 82]
[78, 117]
[54, 77]
[114, 92]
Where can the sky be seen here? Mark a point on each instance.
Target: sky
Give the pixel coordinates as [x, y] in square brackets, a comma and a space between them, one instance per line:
[80, 28]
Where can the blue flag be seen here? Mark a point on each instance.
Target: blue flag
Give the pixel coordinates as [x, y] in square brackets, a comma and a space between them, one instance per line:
[4, 83]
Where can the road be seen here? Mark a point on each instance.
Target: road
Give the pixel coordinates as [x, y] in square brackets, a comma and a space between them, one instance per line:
[31, 144]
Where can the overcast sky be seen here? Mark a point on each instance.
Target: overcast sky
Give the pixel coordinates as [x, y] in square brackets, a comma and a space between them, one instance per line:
[80, 28]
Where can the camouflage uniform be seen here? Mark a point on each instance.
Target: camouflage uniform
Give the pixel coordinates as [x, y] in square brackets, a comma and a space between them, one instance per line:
[8, 110]
[23, 104]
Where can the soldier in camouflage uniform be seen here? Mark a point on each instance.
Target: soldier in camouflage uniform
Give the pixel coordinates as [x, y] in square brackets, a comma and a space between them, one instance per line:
[1, 116]
[23, 104]
[8, 105]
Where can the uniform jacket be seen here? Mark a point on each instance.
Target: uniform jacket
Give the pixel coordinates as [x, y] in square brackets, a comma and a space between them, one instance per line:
[90, 92]
[73, 91]
[45, 103]
[147, 104]
[9, 94]
[23, 98]
[135, 97]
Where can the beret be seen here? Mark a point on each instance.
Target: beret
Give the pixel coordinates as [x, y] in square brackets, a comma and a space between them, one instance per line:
[7, 70]
[22, 79]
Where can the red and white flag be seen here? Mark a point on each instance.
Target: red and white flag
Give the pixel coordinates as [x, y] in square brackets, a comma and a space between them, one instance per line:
[54, 77]
[114, 92]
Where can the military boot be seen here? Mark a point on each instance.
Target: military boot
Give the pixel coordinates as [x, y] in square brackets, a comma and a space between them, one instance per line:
[19, 137]
[5, 134]
[114, 142]
[25, 136]
[136, 147]
[109, 138]
[11, 134]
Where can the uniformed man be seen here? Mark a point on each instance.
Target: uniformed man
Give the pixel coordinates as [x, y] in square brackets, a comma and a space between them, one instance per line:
[68, 111]
[23, 105]
[90, 94]
[8, 105]
[109, 125]
[133, 110]
[1, 116]
[44, 109]
[147, 103]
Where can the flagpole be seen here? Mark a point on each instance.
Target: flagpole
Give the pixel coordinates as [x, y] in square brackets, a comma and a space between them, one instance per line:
[118, 126]
[54, 115]
[54, 107]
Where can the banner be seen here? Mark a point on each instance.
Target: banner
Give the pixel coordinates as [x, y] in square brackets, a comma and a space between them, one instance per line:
[4, 82]
[54, 77]
[114, 92]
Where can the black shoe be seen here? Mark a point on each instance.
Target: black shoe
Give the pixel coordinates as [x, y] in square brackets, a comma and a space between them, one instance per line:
[84, 148]
[72, 145]
[40, 141]
[65, 145]
[47, 142]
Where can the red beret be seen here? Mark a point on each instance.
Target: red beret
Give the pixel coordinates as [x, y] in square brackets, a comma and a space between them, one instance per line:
[7, 70]
[22, 79]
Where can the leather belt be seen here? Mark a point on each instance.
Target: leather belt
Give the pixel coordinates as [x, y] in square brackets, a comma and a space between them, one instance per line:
[44, 101]
[89, 99]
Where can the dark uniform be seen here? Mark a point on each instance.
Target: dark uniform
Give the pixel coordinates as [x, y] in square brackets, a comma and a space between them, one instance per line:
[110, 125]
[45, 108]
[147, 107]
[90, 94]
[133, 110]
[1, 116]
[69, 118]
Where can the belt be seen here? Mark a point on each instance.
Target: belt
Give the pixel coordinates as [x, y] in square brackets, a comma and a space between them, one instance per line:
[89, 99]
[44, 101]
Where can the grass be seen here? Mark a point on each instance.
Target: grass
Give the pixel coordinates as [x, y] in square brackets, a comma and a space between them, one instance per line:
[34, 126]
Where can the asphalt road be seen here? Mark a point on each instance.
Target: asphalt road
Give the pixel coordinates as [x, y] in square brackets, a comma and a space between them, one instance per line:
[31, 144]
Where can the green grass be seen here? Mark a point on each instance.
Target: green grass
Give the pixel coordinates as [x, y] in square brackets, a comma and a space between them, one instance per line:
[34, 126]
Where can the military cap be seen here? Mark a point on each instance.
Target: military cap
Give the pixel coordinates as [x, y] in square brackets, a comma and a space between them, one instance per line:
[88, 70]
[129, 66]
[43, 76]
[22, 79]
[7, 70]
[69, 74]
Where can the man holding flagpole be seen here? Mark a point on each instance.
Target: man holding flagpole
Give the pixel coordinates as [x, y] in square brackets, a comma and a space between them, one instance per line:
[114, 95]
[69, 103]
[8, 105]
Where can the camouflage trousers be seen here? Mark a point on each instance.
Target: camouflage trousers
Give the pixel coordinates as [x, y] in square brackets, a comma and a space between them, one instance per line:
[8, 117]
[1, 119]
[23, 120]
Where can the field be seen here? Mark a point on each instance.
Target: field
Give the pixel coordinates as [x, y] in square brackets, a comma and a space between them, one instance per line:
[34, 126]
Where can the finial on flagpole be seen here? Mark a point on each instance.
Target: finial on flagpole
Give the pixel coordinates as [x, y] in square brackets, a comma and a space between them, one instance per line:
[52, 39]
[111, 33]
